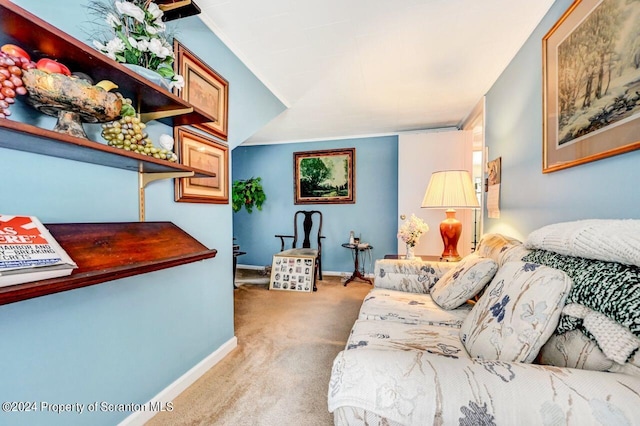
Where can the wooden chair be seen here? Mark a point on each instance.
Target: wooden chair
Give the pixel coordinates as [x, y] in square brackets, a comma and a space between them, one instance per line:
[305, 248]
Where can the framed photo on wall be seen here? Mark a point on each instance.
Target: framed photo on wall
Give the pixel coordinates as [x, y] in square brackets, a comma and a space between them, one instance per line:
[203, 88]
[591, 84]
[201, 152]
[324, 177]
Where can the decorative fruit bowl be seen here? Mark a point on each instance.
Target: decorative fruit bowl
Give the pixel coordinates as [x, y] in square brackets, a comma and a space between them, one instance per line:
[72, 99]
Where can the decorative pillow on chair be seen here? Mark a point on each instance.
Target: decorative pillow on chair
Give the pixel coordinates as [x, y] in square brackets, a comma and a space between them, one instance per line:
[517, 313]
[464, 281]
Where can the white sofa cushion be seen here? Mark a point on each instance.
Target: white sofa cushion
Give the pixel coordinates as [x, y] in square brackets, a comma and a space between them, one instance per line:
[414, 276]
[517, 313]
[463, 282]
[601, 239]
[409, 308]
[500, 248]
[574, 350]
[434, 339]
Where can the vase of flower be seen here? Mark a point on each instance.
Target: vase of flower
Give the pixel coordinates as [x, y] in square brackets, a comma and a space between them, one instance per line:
[410, 255]
[135, 35]
[410, 233]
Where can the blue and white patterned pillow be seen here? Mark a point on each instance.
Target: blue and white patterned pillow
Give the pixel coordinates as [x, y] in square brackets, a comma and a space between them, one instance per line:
[463, 282]
[517, 313]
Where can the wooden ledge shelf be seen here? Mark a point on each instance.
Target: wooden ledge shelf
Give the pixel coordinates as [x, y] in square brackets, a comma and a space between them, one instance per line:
[25, 137]
[110, 251]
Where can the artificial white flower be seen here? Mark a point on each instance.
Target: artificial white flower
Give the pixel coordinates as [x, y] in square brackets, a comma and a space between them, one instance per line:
[133, 42]
[151, 29]
[177, 82]
[155, 11]
[161, 26]
[99, 45]
[130, 9]
[143, 45]
[113, 21]
[157, 48]
[115, 45]
[411, 230]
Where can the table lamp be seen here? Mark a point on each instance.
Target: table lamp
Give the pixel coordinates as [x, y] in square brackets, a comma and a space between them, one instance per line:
[450, 190]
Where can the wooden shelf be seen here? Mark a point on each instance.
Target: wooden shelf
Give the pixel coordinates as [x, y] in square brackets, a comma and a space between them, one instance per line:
[176, 9]
[42, 39]
[28, 138]
[110, 251]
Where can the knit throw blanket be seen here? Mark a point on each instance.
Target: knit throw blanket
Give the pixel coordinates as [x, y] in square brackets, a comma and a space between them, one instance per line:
[609, 291]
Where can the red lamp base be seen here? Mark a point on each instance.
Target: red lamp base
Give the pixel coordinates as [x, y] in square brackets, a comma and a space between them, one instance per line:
[450, 230]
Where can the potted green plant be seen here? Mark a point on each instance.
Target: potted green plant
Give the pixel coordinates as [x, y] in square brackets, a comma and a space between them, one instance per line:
[247, 193]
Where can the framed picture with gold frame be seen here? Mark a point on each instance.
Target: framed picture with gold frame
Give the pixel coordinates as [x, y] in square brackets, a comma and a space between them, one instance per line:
[591, 105]
[203, 88]
[202, 153]
[325, 176]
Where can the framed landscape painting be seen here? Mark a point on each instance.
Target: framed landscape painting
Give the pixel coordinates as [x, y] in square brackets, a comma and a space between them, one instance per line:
[204, 153]
[203, 88]
[324, 177]
[591, 83]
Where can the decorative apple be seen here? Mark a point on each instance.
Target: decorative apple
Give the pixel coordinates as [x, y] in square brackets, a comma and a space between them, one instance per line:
[51, 66]
[15, 51]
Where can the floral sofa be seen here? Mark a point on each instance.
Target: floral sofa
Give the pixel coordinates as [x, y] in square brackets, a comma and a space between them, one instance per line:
[552, 338]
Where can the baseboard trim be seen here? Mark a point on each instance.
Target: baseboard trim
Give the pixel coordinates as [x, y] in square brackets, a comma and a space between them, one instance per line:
[169, 393]
[328, 273]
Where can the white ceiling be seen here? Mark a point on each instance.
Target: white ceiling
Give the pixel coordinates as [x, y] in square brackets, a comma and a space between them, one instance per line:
[367, 67]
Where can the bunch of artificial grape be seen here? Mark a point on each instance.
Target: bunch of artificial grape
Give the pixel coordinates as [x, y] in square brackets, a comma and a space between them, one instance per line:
[11, 80]
[128, 134]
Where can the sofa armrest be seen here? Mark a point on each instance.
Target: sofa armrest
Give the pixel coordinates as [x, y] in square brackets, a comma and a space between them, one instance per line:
[419, 388]
[413, 276]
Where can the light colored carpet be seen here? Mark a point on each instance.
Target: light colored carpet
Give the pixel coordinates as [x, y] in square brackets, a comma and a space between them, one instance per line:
[279, 373]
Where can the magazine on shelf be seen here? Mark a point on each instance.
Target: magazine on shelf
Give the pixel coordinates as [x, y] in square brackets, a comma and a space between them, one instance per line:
[28, 252]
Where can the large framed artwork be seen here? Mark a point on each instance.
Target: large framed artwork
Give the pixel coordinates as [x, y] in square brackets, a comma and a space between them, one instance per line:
[201, 152]
[325, 177]
[591, 79]
[203, 88]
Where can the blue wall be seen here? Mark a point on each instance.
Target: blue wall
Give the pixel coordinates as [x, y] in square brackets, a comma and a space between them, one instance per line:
[529, 199]
[374, 215]
[126, 340]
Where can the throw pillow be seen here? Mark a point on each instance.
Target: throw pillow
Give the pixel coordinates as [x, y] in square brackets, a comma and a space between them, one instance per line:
[611, 240]
[517, 313]
[464, 281]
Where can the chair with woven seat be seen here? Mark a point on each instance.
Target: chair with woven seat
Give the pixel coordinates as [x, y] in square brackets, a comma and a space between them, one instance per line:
[305, 232]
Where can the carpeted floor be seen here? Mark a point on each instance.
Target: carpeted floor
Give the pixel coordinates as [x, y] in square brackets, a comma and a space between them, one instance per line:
[279, 373]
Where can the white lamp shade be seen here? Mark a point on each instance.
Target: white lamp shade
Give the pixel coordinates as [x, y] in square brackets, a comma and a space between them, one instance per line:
[450, 189]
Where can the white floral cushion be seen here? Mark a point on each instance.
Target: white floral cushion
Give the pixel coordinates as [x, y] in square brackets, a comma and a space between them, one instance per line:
[463, 282]
[574, 350]
[393, 335]
[517, 313]
[409, 308]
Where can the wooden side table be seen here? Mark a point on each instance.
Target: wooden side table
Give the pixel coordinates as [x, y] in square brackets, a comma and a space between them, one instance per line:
[357, 250]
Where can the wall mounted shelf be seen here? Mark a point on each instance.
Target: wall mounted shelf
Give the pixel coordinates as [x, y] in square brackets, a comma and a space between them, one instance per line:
[42, 39]
[28, 138]
[103, 251]
[176, 9]
[110, 251]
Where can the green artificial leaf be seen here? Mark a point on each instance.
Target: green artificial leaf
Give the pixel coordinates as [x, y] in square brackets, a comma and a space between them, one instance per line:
[165, 72]
[127, 110]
